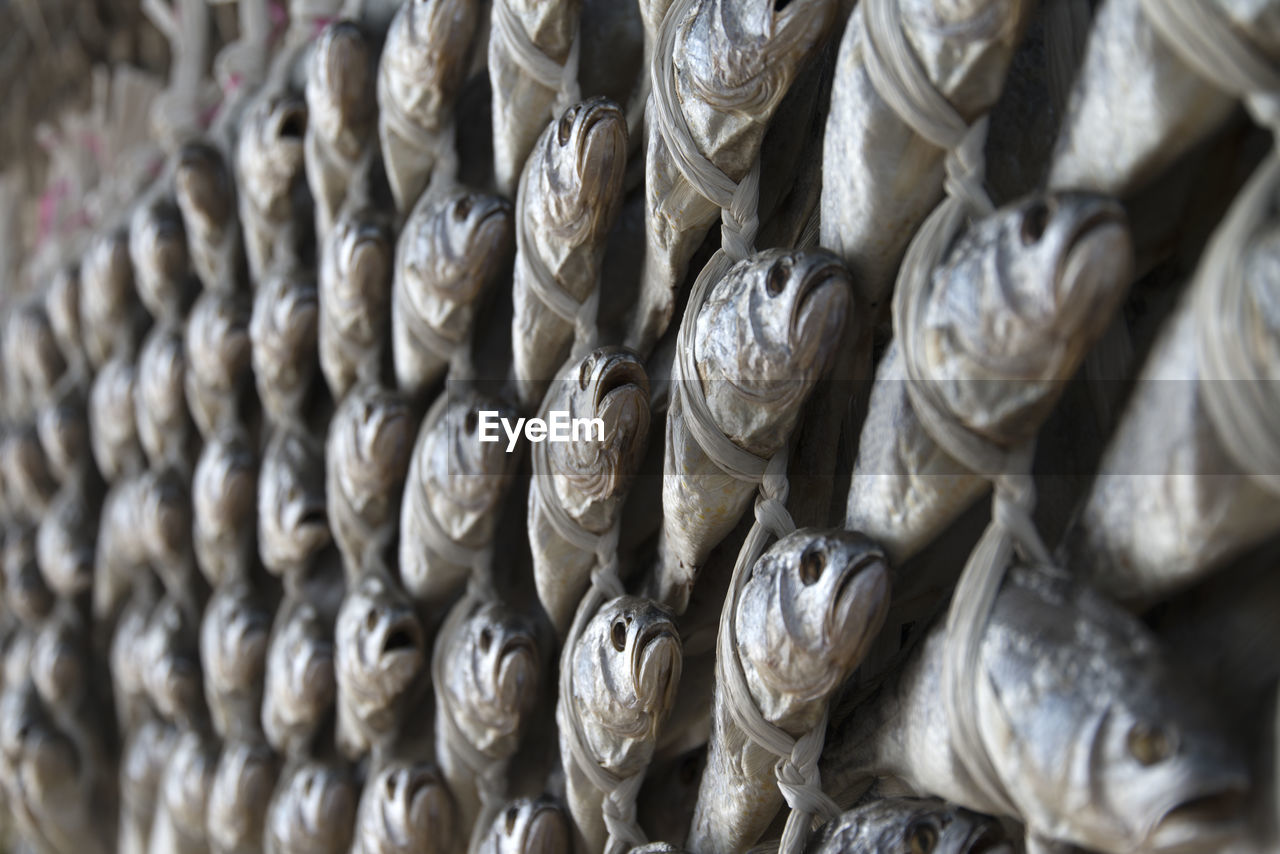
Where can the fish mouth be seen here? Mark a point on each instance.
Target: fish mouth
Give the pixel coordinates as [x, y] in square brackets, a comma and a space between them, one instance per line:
[1096, 243]
[288, 123]
[1203, 822]
[399, 646]
[860, 599]
[655, 668]
[516, 668]
[547, 832]
[619, 371]
[601, 134]
[817, 295]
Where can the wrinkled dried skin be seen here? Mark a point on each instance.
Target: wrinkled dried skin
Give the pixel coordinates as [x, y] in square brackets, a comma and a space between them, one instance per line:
[1126, 778]
[355, 301]
[113, 433]
[1117, 138]
[65, 542]
[224, 493]
[300, 685]
[521, 105]
[590, 478]
[206, 193]
[141, 767]
[111, 318]
[908, 824]
[421, 71]
[238, 798]
[405, 807]
[764, 336]
[160, 401]
[806, 617]
[490, 675]
[378, 658]
[233, 651]
[458, 480]
[526, 826]
[218, 361]
[283, 332]
[450, 251]
[1014, 308]
[570, 197]
[626, 667]
[161, 265]
[271, 181]
[179, 826]
[881, 179]
[292, 524]
[737, 58]
[313, 811]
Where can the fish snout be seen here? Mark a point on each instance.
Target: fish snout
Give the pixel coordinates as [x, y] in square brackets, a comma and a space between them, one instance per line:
[1097, 263]
[517, 672]
[859, 600]
[598, 129]
[656, 667]
[823, 289]
[1206, 820]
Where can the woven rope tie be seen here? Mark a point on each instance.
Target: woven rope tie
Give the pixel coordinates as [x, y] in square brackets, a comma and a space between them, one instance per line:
[559, 78]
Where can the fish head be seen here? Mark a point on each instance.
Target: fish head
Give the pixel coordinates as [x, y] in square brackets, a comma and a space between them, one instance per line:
[107, 295]
[62, 304]
[300, 675]
[224, 492]
[768, 330]
[379, 647]
[357, 272]
[406, 807]
[339, 88]
[283, 331]
[160, 397]
[205, 189]
[293, 523]
[188, 777]
[218, 341]
[41, 760]
[32, 350]
[161, 265]
[313, 810]
[584, 158]
[164, 519]
[171, 649]
[62, 426]
[626, 669]
[465, 479]
[425, 59]
[60, 666]
[234, 634]
[528, 826]
[238, 798]
[269, 153]
[455, 244]
[25, 590]
[814, 602]
[493, 677]
[142, 760]
[1021, 296]
[916, 825]
[367, 456]
[113, 429]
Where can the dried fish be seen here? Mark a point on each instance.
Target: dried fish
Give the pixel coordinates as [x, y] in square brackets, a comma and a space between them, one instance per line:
[300, 685]
[206, 193]
[161, 264]
[65, 542]
[233, 651]
[292, 525]
[1122, 757]
[764, 335]
[61, 669]
[164, 528]
[160, 402]
[378, 660]
[283, 333]
[128, 658]
[218, 362]
[313, 811]
[25, 592]
[62, 425]
[142, 762]
[1005, 321]
[588, 478]
[355, 301]
[526, 826]
[27, 478]
[62, 304]
[274, 204]
[224, 492]
[570, 194]
[420, 74]
[405, 807]
[911, 824]
[625, 668]
[737, 59]
[32, 357]
[805, 618]
[452, 494]
[484, 673]
[113, 432]
[171, 665]
[179, 825]
[451, 249]
[238, 798]
[120, 552]
[112, 319]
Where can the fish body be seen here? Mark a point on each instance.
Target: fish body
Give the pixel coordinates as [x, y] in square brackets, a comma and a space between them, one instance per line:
[405, 808]
[313, 811]
[378, 659]
[571, 192]
[160, 402]
[805, 618]
[354, 300]
[217, 347]
[1092, 733]
[299, 685]
[234, 633]
[454, 244]
[238, 797]
[113, 432]
[161, 263]
[626, 666]
[763, 337]
[1013, 309]
[453, 492]
[142, 761]
[734, 60]
[527, 826]
[292, 524]
[205, 187]
[282, 331]
[911, 824]
[112, 320]
[590, 479]
[274, 204]
[486, 686]
[224, 491]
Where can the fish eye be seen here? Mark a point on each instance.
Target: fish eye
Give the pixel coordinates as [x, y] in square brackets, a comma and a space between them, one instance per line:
[811, 565]
[584, 374]
[462, 207]
[1034, 222]
[922, 838]
[776, 283]
[512, 815]
[1150, 743]
[618, 634]
[486, 639]
[565, 128]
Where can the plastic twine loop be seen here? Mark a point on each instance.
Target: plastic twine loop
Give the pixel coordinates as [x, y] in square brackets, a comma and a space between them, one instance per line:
[561, 78]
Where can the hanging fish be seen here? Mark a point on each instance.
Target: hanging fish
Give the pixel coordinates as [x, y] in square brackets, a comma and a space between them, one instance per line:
[764, 335]
[218, 362]
[274, 203]
[570, 194]
[405, 808]
[164, 527]
[171, 665]
[300, 686]
[233, 651]
[112, 319]
[206, 192]
[27, 478]
[313, 811]
[32, 357]
[179, 825]
[142, 760]
[292, 524]
[25, 592]
[452, 248]
[911, 824]
[283, 333]
[128, 658]
[356, 260]
[238, 798]
[526, 826]
[160, 402]
[65, 542]
[113, 432]
[224, 491]
[62, 304]
[62, 426]
[161, 264]
[120, 553]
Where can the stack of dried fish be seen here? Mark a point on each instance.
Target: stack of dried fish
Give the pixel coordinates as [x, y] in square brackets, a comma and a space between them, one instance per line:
[330, 504]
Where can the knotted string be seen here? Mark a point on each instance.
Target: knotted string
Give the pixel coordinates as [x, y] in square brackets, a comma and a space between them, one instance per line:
[175, 114]
[559, 78]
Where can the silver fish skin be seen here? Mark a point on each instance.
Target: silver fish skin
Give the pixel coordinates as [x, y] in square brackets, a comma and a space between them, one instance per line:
[238, 798]
[366, 459]
[456, 483]
[25, 591]
[234, 632]
[527, 826]
[113, 432]
[1138, 754]
[161, 263]
[313, 811]
[300, 684]
[341, 117]
[112, 319]
[808, 614]
[160, 409]
[405, 808]
[570, 197]
[590, 479]
[379, 657]
[283, 333]
[171, 671]
[487, 696]
[62, 305]
[521, 104]
[128, 659]
[65, 541]
[205, 188]
[420, 74]
[182, 808]
[270, 178]
[453, 246]
[911, 824]
[736, 61]
[218, 364]
[1116, 139]
[292, 523]
[657, 848]
[354, 292]
[626, 666]
[224, 493]
[870, 210]
[33, 361]
[764, 336]
[147, 746]
[1016, 304]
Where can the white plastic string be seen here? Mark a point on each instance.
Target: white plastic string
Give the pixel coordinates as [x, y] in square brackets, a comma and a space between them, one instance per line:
[176, 113]
[559, 78]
